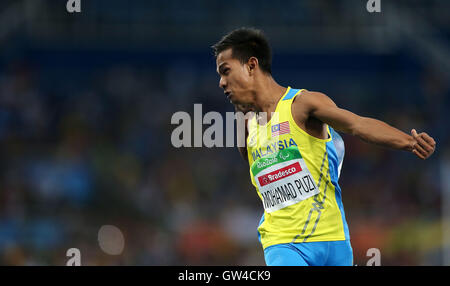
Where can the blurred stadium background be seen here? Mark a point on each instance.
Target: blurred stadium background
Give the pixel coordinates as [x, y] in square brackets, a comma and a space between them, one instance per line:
[86, 101]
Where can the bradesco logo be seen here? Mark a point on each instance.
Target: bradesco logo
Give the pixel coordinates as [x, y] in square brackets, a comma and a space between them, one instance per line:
[279, 174]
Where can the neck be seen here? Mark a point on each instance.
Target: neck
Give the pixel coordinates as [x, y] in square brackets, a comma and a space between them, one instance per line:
[267, 94]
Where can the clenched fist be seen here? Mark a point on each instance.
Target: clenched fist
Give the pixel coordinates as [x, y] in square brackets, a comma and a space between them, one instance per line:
[422, 145]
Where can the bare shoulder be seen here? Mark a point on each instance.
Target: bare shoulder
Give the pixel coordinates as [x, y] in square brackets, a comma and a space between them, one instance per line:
[303, 111]
[308, 101]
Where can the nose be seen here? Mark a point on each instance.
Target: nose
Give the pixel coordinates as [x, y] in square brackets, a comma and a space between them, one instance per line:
[222, 83]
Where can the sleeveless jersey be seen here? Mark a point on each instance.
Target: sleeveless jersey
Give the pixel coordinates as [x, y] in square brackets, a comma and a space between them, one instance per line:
[296, 177]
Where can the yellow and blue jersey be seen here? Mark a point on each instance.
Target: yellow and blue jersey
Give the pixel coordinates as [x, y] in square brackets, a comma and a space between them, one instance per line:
[296, 177]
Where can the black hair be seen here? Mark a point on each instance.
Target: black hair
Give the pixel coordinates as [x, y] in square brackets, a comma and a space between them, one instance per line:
[246, 43]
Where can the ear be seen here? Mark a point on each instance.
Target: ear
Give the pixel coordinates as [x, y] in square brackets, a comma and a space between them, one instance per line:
[252, 63]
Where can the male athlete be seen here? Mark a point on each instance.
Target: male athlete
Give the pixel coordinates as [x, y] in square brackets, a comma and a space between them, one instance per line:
[295, 155]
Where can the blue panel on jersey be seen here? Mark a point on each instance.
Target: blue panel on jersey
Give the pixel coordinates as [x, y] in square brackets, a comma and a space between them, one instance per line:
[334, 161]
[292, 92]
[260, 222]
[339, 146]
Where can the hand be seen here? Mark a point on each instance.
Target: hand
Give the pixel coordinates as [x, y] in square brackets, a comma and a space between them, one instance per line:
[422, 144]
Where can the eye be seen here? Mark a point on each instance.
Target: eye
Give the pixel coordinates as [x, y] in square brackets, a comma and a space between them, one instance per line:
[226, 71]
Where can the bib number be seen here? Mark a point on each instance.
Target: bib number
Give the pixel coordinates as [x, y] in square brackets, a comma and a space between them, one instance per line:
[283, 179]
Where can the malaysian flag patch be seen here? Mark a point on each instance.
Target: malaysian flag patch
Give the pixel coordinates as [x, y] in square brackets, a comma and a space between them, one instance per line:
[280, 128]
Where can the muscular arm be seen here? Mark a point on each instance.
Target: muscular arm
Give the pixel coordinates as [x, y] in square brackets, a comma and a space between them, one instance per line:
[371, 130]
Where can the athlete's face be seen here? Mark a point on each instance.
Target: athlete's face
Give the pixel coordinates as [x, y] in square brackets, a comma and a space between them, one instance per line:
[236, 79]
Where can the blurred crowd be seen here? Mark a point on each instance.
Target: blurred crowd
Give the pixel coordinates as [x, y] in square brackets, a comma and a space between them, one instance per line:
[85, 142]
[93, 148]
